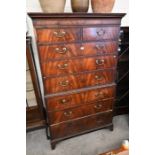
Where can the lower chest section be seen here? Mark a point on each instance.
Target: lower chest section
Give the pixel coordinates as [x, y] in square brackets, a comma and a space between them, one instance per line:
[78, 112]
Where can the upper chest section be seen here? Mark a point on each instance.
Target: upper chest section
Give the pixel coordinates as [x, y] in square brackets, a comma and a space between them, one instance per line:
[63, 28]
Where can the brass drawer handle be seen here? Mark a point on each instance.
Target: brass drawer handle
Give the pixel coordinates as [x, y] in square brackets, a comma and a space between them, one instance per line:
[99, 106]
[64, 66]
[64, 83]
[68, 113]
[97, 77]
[64, 101]
[61, 51]
[99, 94]
[100, 32]
[100, 47]
[59, 34]
[99, 61]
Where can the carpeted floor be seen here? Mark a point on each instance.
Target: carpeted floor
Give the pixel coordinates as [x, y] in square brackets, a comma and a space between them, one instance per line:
[89, 144]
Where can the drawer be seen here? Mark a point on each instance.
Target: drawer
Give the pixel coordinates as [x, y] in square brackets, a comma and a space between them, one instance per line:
[65, 83]
[68, 101]
[81, 111]
[80, 125]
[63, 51]
[50, 35]
[63, 67]
[100, 33]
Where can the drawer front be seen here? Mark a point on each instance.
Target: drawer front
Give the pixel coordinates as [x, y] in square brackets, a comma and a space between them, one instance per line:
[81, 111]
[100, 33]
[72, 50]
[50, 35]
[84, 124]
[65, 83]
[60, 84]
[60, 67]
[98, 78]
[69, 101]
[78, 65]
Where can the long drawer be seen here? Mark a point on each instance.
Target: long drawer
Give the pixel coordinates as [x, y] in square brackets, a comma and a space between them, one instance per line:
[80, 125]
[81, 111]
[64, 67]
[100, 33]
[62, 51]
[50, 35]
[65, 83]
[68, 101]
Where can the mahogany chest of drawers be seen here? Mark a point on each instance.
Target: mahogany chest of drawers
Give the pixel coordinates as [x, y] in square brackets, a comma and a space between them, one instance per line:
[78, 60]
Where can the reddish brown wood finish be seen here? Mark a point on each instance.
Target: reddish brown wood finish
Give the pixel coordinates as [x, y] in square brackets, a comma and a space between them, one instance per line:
[62, 51]
[67, 66]
[75, 50]
[81, 111]
[65, 83]
[100, 33]
[48, 23]
[79, 125]
[69, 101]
[58, 35]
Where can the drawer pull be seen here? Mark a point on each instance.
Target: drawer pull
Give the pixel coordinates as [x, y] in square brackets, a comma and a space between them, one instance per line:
[59, 34]
[99, 94]
[100, 47]
[61, 51]
[64, 83]
[99, 106]
[100, 32]
[97, 77]
[68, 113]
[64, 66]
[100, 62]
[63, 101]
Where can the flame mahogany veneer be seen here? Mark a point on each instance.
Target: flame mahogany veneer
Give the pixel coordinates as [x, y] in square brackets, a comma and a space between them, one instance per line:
[78, 60]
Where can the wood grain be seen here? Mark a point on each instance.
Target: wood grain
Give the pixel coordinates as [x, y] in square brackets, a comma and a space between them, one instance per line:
[62, 51]
[67, 66]
[69, 101]
[64, 83]
[100, 33]
[58, 35]
[80, 125]
[80, 111]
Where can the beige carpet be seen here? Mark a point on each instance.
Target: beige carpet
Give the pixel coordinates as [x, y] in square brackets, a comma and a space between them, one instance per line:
[93, 143]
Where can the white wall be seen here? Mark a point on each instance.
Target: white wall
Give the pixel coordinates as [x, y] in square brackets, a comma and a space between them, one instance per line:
[121, 6]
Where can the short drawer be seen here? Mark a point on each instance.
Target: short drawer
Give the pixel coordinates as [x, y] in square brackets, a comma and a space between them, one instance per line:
[101, 33]
[70, 82]
[64, 67]
[73, 100]
[81, 111]
[51, 52]
[80, 125]
[50, 35]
